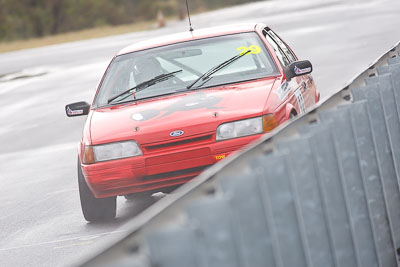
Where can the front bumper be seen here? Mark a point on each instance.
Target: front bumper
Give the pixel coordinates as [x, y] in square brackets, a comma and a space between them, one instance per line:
[159, 167]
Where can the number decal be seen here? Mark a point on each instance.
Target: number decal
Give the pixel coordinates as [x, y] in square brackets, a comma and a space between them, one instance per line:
[254, 49]
[242, 49]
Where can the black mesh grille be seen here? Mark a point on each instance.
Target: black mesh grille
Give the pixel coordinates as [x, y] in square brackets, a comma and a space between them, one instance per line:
[183, 142]
[174, 173]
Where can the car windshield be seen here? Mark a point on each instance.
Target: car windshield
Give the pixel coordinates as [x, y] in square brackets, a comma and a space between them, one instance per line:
[194, 58]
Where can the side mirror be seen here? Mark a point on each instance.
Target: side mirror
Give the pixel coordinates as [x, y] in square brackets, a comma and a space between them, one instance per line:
[298, 68]
[77, 109]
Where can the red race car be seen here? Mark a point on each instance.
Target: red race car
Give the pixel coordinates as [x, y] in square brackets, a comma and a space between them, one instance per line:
[170, 107]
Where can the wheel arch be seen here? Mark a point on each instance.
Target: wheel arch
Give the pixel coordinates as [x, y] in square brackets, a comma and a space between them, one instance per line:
[290, 109]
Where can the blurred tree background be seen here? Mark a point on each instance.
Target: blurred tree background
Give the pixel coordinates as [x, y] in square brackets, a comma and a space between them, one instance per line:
[22, 19]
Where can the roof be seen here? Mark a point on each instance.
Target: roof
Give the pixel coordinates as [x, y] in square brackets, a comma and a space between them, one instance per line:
[187, 36]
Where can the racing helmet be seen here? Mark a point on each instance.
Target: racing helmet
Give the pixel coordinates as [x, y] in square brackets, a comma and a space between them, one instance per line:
[146, 68]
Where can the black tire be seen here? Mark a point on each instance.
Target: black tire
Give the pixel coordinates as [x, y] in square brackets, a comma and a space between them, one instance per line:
[292, 114]
[95, 209]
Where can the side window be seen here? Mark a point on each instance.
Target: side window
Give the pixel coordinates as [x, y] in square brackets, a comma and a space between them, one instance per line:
[278, 51]
[282, 45]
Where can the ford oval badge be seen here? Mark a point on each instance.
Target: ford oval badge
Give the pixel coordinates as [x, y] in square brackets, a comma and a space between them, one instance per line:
[176, 133]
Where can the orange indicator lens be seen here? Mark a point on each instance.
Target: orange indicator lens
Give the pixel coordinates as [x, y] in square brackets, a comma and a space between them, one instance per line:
[88, 155]
[269, 122]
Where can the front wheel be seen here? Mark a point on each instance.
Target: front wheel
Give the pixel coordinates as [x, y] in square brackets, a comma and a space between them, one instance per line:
[95, 209]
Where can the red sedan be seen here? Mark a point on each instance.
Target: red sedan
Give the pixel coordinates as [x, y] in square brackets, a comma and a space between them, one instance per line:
[170, 107]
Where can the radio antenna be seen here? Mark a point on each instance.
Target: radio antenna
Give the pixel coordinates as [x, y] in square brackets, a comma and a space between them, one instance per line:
[190, 23]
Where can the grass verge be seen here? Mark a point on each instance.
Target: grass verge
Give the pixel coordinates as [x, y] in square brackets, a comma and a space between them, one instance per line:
[75, 36]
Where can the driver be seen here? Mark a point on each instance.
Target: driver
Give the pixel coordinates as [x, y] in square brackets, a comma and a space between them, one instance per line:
[146, 68]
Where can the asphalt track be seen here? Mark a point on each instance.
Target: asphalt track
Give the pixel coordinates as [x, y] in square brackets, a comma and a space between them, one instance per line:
[40, 217]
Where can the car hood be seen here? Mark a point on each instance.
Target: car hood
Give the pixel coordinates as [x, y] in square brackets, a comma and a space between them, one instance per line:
[193, 112]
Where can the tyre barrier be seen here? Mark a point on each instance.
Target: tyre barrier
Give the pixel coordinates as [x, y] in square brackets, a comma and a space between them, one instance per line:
[320, 191]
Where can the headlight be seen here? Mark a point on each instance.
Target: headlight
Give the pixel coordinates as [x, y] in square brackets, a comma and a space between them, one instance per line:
[111, 151]
[240, 128]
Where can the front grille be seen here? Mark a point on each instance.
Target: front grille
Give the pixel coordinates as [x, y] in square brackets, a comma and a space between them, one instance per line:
[177, 143]
[166, 183]
[179, 173]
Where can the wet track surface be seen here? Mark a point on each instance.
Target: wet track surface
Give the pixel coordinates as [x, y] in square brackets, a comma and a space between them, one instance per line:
[40, 217]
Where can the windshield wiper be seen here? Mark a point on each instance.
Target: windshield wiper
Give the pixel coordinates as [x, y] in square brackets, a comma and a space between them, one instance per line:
[213, 70]
[144, 85]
